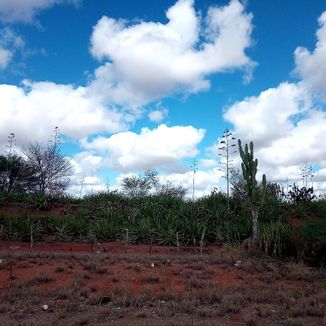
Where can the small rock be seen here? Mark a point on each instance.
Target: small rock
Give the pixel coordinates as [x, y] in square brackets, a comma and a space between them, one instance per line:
[152, 265]
[238, 263]
[45, 307]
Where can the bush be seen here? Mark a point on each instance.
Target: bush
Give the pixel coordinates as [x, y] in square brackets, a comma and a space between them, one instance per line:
[318, 208]
[233, 232]
[141, 230]
[21, 228]
[105, 229]
[314, 234]
[280, 239]
[38, 200]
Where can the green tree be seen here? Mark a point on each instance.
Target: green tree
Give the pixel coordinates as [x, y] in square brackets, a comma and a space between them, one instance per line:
[15, 173]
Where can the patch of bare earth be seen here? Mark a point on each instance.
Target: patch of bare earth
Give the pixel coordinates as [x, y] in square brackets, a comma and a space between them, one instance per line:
[75, 284]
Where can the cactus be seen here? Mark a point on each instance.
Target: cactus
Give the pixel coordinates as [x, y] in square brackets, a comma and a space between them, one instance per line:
[249, 167]
[249, 170]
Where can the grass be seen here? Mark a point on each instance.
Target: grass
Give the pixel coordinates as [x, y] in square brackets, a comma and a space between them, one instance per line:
[131, 292]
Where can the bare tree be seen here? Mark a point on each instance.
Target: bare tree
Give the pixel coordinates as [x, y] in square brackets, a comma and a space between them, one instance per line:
[51, 170]
[149, 183]
[135, 186]
[169, 189]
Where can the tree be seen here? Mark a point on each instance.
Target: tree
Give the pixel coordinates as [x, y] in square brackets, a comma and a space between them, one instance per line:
[238, 184]
[169, 189]
[147, 183]
[15, 173]
[135, 186]
[51, 170]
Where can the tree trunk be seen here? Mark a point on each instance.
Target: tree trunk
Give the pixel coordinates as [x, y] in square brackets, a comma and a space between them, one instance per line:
[254, 216]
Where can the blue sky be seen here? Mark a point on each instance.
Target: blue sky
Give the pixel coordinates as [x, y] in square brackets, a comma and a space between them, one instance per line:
[153, 84]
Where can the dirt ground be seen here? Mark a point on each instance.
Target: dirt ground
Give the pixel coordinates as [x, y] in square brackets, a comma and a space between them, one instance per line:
[110, 284]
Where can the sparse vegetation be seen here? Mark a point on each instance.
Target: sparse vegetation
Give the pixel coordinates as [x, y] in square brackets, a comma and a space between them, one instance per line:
[131, 290]
[270, 280]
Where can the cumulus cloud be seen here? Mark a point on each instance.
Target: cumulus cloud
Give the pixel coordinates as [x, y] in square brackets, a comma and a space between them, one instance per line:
[269, 116]
[144, 61]
[33, 110]
[148, 60]
[205, 181]
[25, 10]
[287, 123]
[311, 66]
[286, 128]
[163, 147]
[157, 115]
[206, 163]
[85, 178]
[85, 163]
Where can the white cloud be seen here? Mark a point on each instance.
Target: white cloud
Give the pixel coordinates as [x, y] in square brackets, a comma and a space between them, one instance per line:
[205, 181]
[148, 60]
[311, 66]
[157, 115]
[286, 129]
[271, 115]
[5, 57]
[32, 111]
[137, 72]
[286, 123]
[25, 10]
[85, 164]
[207, 163]
[85, 177]
[161, 148]
[10, 42]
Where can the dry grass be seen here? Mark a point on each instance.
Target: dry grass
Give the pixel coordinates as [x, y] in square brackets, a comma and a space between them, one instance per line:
[99, 290]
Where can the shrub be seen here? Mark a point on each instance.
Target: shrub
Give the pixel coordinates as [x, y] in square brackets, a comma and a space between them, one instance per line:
[105, 229]
[280, 239]
[20, 228]
[314, 233]
[141, 230]
[38, 200]
[233, 231]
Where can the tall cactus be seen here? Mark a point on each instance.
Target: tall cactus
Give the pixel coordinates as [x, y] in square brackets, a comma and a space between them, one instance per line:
[249, 170]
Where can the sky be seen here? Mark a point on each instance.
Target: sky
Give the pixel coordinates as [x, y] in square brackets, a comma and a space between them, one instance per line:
[136, 85]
